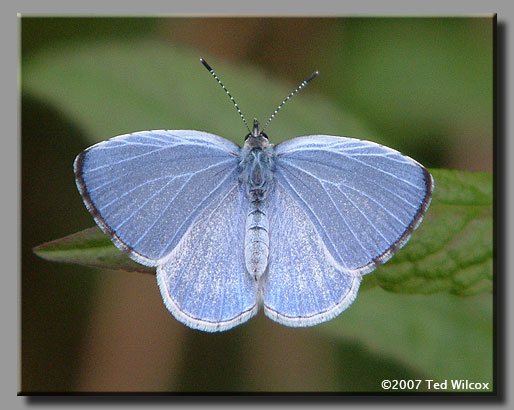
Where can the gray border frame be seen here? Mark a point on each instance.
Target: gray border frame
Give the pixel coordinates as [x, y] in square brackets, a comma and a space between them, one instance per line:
[11, 156]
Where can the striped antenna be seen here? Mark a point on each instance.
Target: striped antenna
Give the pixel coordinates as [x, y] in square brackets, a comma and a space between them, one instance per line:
[208, 67]
[302, 85]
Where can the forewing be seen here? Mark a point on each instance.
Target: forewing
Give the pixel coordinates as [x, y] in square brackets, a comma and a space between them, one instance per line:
[146, 189]
[363, 199]
[204, 283]
[304, 285]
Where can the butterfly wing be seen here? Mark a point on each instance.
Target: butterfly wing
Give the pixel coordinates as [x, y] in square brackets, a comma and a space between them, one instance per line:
[204, 282]
[339, 208]
[146, 189]
[363, 199]
[304, 286]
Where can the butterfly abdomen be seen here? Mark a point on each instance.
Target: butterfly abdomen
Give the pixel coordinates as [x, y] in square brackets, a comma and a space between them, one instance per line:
[256, 240]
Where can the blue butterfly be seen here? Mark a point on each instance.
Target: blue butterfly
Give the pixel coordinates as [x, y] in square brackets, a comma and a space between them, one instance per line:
[290, 227]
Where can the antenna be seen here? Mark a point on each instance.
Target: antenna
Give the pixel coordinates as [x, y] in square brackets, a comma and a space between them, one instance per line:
[208, 67]
[302, 85]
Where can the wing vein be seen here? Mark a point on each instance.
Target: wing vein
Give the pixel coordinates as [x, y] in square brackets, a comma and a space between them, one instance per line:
[133, 189]
[149, 199]
[346, 223]
[111, 181]
[115, 229]
[124, 143]
[156, 151]
[378, 203]
[163, 211]
[363, 214]
[356, 160]
[127, 159]
[194, 210]
[347, 186]
[313, 214]
[196, 245]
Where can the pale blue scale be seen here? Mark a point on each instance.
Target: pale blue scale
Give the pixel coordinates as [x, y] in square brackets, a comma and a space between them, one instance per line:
[149, 187]
[204, 282]
[360, 196]
[304, 286]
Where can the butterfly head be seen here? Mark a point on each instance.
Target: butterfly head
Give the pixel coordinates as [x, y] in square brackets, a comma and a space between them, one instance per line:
[256, 132]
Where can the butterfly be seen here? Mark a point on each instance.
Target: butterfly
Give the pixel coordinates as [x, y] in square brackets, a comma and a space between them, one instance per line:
[291, 228]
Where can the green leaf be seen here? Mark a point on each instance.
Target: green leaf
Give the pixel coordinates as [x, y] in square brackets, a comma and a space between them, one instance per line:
[90, 247]
[452, 249]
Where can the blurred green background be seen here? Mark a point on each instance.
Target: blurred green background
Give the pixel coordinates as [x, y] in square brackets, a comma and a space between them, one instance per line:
[423, 86]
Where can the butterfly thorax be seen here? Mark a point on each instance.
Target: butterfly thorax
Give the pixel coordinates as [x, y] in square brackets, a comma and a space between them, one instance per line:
[256, 171]
[256, 164]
